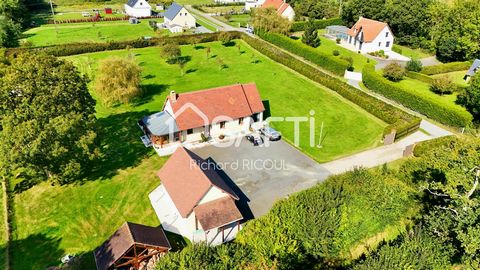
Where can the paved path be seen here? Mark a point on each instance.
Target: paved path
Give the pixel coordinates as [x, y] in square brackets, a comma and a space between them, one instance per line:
[429, 61]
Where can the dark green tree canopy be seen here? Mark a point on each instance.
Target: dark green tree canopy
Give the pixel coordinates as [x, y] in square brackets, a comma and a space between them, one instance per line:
[46, 120]
[310, 36]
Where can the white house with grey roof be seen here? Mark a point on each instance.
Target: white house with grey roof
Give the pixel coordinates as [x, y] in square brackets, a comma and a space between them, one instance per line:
[177, 18]
[138, 8]
[474, 69]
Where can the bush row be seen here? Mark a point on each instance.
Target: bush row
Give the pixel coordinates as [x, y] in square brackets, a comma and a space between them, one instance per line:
[445, 68]
[80, 48]
[450, 115]
[419, 76]
[397, 119]
[319, 24]
[324, 60]
[427, 146]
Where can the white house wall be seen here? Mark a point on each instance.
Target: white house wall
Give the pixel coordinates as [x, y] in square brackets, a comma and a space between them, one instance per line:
[380, 42]
[184, 19]
[289, 13]
[213, 194]
[141, 9]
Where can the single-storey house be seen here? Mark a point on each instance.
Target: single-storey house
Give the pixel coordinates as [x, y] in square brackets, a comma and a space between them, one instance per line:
[282, 7]
[370, 36]
[177, 17]
[138, 8]
[132, 246]
[473, 70]
[194, 201]
[192, 117]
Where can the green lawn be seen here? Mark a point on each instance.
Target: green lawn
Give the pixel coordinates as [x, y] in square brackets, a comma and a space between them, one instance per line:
[222, 9]
[328, 46]
[413, 53]
[347, 129]
[88, 32]
[457, 77]
[236, 20]
[423, 89]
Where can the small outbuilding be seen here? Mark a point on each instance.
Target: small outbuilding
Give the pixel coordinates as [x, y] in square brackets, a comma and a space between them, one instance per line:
[132, 246]
[474, 69]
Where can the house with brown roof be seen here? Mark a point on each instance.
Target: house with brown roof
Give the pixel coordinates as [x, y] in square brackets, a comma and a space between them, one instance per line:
[368, 35]
[194, 201]
[190, 118]
[132, 246]
[281, 6]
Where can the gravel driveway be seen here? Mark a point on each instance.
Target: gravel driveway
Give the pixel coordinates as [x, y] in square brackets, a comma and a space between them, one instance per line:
[265, 174]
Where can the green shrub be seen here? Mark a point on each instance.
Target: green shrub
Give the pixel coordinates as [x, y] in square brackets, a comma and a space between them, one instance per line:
[319, 24]
[397, 119]
[427, 146]
[450, 115]
[324, 60]
[380, 54]
[394, 72]
[397, 49]
[338, 40]
[443, 85]
[446, 68]
[336, 53]
[414, 65]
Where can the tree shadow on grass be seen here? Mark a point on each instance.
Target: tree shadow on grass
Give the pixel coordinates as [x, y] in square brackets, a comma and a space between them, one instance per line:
[149, 92]
[37, 251]
[229, 44]
[199, 47]
[120, 144]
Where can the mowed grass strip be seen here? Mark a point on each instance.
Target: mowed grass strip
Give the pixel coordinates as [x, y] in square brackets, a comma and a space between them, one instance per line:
[50, 34]
[347, 129]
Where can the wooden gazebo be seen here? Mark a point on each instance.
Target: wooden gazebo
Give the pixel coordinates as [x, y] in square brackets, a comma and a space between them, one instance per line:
[130, 247]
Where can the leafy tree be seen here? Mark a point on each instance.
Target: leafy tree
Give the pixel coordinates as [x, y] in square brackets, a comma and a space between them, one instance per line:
[316, 9]
[225, 38]
[471, 98]
[443, 85]
[414, 65]
[267, 19]
[310, 36]
[456, 30]
[372, 9]
[46, 120]
[9, 32]
[171, 51]
[394, 72]
[118, 80]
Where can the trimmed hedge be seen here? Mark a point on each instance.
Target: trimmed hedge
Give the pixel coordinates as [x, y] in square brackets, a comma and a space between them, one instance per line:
[445, 68]
[442, 113]
[325, 60]
[80, 48]
[426, 146]
[419, 76]
[319, 24]
[397, 119]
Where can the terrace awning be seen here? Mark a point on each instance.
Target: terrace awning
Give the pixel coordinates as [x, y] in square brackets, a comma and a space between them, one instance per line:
[160, 124]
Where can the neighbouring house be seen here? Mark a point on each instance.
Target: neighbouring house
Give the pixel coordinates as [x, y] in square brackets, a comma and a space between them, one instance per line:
[194, 201]
[138, 8]
[190, 118]
[370, 36]
[177, 18]
[282, 7]
[473, 70]
[132, 246]
[249, 4]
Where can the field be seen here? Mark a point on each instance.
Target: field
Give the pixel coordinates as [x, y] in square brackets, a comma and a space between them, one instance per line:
[89, 32]
[236, 20]
[413, 53]
[52, 221]
[348, 129]
[457, 77]
[328, 46]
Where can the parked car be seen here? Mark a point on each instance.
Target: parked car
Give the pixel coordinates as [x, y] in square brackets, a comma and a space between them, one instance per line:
[270, 133]
[255, 139]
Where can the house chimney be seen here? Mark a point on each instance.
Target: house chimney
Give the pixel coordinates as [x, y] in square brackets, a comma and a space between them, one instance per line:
[173, 96]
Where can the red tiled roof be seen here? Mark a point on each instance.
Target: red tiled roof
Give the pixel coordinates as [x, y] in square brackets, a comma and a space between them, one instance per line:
[279, 5]
[371, 29]
[187, 182]
[234, 101]
[217, 213]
